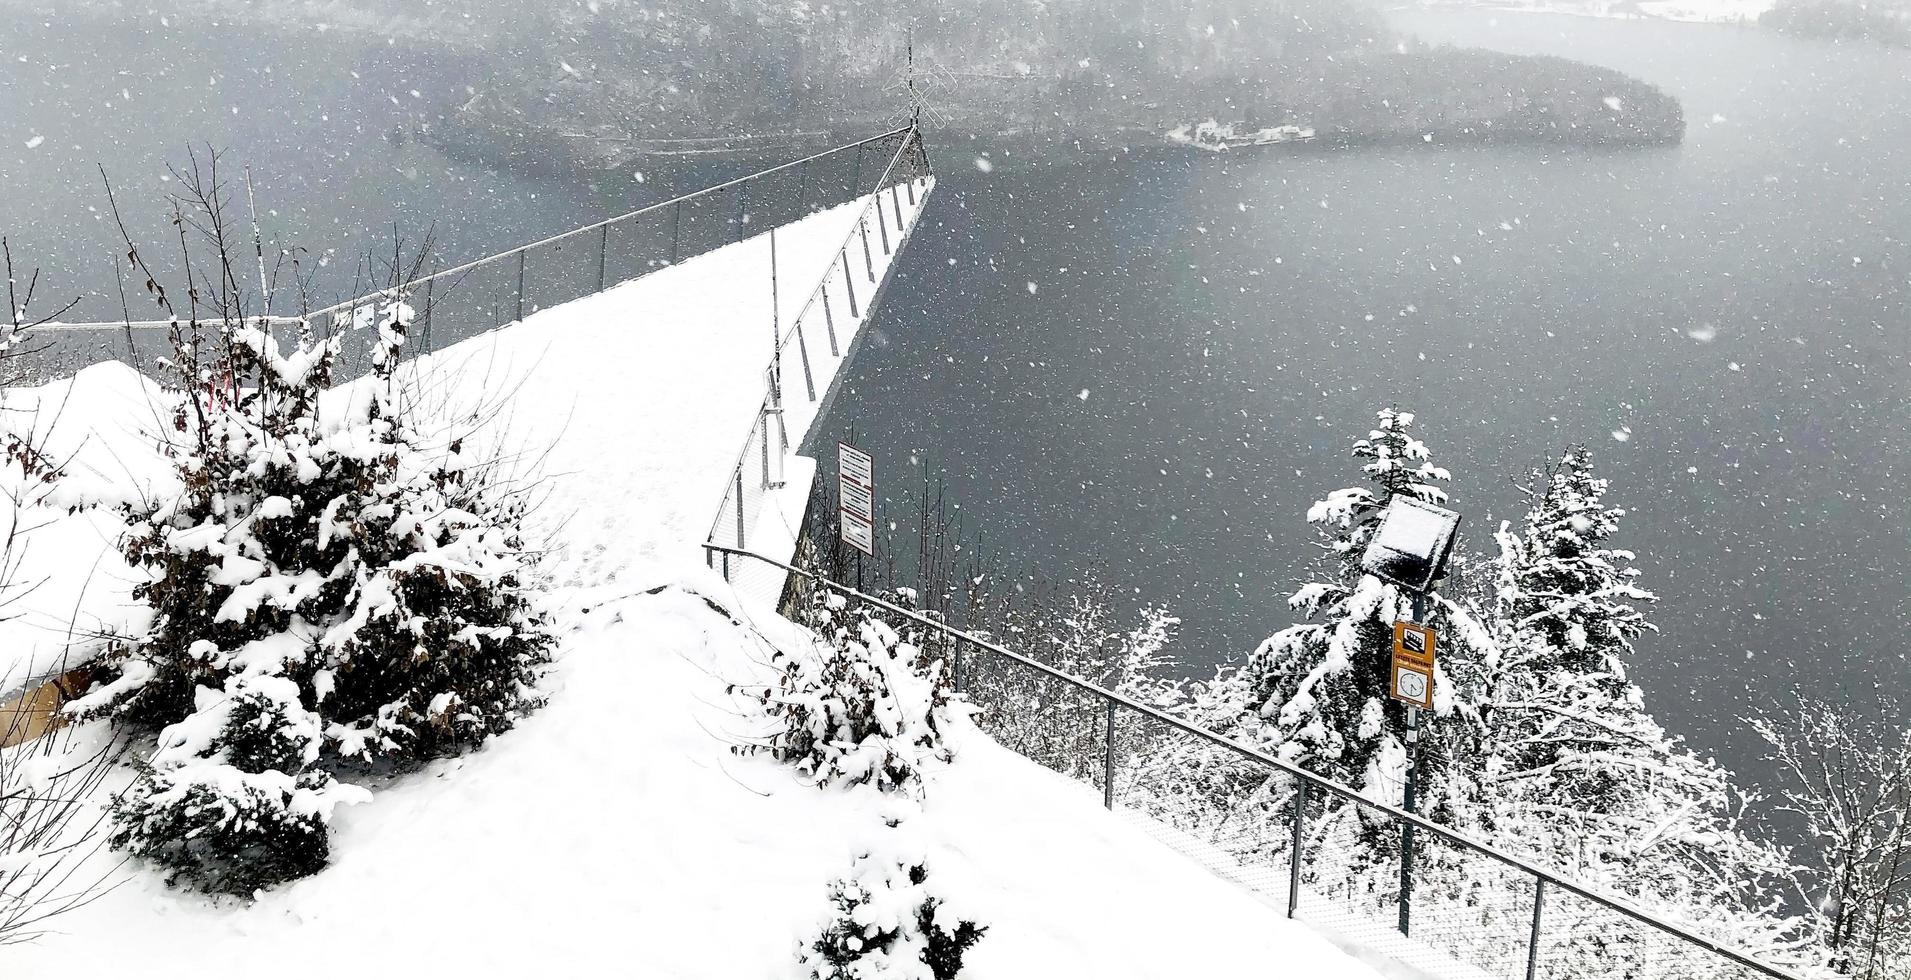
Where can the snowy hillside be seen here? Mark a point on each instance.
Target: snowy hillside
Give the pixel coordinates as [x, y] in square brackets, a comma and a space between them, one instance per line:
[615, 830]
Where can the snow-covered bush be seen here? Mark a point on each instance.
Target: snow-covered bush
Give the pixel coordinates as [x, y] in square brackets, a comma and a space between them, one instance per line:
[866, 705]
[335, 583]
[887, 923]
[231, 800]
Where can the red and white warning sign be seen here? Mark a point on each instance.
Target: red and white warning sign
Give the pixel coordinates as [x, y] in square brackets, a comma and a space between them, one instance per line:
[856, 496]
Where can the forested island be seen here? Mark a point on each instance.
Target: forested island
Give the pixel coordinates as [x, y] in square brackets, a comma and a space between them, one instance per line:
[623, 81]
[605, 84]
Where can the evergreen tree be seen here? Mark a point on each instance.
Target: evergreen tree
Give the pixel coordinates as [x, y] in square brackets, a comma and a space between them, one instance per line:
[866, 704]
[1577, 774]
[326, 587]
[1321, 688]
[887, 923]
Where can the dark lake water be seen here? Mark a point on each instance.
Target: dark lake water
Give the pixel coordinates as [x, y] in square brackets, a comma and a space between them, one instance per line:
[1724, 321]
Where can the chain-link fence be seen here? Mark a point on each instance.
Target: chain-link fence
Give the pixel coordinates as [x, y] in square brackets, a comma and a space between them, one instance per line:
[460, 302]
[819, 334]
[1367, 873]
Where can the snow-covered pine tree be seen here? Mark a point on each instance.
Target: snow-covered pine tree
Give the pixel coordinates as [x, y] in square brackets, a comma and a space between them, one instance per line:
[865, 704]
[1321, 688]
[886, 922]
[1577, 774]
[371, 582]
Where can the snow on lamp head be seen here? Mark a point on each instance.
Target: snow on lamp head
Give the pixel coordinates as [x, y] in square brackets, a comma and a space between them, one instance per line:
[1412, 544]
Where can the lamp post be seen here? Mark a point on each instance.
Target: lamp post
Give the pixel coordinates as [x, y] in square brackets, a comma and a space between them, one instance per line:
[1410, 548]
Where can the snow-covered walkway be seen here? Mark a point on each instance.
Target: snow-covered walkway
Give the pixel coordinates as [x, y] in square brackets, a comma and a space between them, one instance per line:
[631, 405]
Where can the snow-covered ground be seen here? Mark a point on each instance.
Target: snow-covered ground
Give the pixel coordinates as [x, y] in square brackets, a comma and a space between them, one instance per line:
[1695, 11]
[614, 832]
[631, 405]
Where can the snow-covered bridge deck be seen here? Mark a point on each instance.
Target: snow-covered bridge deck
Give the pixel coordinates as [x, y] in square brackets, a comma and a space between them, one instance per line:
[629, 407]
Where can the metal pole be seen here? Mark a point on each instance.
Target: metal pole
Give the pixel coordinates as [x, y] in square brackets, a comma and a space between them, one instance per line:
[957, 657]
[742, 190]
[1108, 760]
[849, 285]
[829, 319]
[520, 284]
[425, 341]
[895, 201]
[1413, 773]
[802, 187]
[740, 500]
[869, 264]
[1532, 943]
[766, 449]
[1294, 858]
[776, 318]
[856, 188]
[803, 348]
[603, 251]
[676, 226]
[882, 224]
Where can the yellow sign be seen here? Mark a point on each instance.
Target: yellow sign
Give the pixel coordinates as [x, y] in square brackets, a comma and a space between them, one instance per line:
[1411, 641]
[1412, 682]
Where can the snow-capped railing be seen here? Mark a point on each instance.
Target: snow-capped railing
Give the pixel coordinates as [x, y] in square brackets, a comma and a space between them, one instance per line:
[490, 292]
[1464, 908]
[885, 221]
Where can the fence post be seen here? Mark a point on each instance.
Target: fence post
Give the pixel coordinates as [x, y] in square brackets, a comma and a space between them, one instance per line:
[895, 201]
[856, 186]
[520, 284]
[1108, 759]
[603, 252]
[803, 349]
[829, 319]
[882, 224]
[849, 285]
[957, 656]
[430, 281]
[740, 543]
[869, 264]
[1532, 943]
[802, 187]
[762, 420]
[676, 227]
[911, 185]
[1294, 859]
[742, 191]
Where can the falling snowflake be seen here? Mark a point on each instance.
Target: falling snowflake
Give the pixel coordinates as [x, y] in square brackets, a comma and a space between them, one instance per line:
[1083, 395]
[1622, 434]
[985, 165]
[34, 143]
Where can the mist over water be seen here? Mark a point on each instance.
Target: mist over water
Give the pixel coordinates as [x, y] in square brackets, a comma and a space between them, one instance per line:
[1147, 365]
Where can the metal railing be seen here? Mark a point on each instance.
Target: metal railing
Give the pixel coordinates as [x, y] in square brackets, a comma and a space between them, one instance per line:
[888, 216]
[477, 296]
[1319, 845]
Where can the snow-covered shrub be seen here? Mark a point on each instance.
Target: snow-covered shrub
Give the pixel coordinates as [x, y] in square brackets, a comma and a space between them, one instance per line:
[866, 705]
[335, 583]
[231, 801]
[887, 923]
